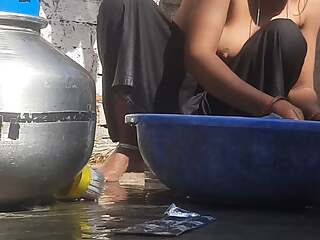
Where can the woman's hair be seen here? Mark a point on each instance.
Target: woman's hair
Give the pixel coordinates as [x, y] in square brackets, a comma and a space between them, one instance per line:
[300, 10]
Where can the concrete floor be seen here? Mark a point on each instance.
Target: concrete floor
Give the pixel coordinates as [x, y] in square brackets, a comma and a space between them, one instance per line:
[121, 207]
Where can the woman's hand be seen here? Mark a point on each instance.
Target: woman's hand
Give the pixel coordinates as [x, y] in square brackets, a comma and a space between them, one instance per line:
[307, 100]
[287, 110]
[315, 116]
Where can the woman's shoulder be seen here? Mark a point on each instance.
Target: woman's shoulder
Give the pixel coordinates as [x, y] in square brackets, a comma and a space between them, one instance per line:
[187, 7]
[310, 9]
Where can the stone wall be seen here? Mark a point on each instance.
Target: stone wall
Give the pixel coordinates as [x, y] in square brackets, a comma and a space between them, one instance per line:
[72, 29]
[72, 25]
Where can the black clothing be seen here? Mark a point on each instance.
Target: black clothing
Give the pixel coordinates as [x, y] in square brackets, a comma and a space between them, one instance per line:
[142, 55]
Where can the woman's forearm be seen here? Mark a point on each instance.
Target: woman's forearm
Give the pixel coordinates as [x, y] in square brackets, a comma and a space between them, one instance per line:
[218, 79]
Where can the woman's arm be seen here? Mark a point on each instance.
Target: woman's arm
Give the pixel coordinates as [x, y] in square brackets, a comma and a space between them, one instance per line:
[303, 94]
[203, 35]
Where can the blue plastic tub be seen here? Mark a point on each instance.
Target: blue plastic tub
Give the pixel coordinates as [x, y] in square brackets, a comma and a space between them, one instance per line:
[233, 160]
[29, 7]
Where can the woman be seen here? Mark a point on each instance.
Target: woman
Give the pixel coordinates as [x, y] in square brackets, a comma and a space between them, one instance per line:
[248, 58]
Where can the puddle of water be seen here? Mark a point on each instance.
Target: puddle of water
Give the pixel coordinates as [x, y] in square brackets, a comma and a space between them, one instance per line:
[121, 207]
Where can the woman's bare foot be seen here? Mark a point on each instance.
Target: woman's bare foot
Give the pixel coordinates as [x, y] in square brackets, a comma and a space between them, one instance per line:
[114, 167]
[118, 163]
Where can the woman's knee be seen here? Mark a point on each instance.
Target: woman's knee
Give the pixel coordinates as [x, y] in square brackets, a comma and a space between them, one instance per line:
[112, 4]
[287, 43]
[113, 10]
[110, 8]
[289, 36]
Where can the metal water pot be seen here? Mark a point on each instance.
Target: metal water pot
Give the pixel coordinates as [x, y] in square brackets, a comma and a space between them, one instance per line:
[47, 113]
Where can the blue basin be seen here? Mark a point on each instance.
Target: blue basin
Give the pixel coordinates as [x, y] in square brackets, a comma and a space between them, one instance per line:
[29, 7]
[233, 160]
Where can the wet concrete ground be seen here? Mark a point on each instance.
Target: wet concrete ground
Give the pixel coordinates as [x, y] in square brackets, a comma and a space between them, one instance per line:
[121, 207]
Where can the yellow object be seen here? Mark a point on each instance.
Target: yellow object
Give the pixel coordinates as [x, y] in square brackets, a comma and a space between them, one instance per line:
[79, 185]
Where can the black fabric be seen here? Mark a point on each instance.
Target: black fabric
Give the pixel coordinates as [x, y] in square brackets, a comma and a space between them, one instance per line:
[140, 50]
[142, 53]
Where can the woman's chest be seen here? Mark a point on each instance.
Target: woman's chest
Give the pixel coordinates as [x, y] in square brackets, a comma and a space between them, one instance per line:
[241, 25]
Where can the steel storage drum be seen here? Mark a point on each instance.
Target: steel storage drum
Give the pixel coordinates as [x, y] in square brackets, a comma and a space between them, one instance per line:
[233, 160]
[29, 7]
[47, 113]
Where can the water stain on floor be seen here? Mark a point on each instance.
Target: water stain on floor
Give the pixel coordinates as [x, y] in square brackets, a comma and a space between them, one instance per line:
[120, 207]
